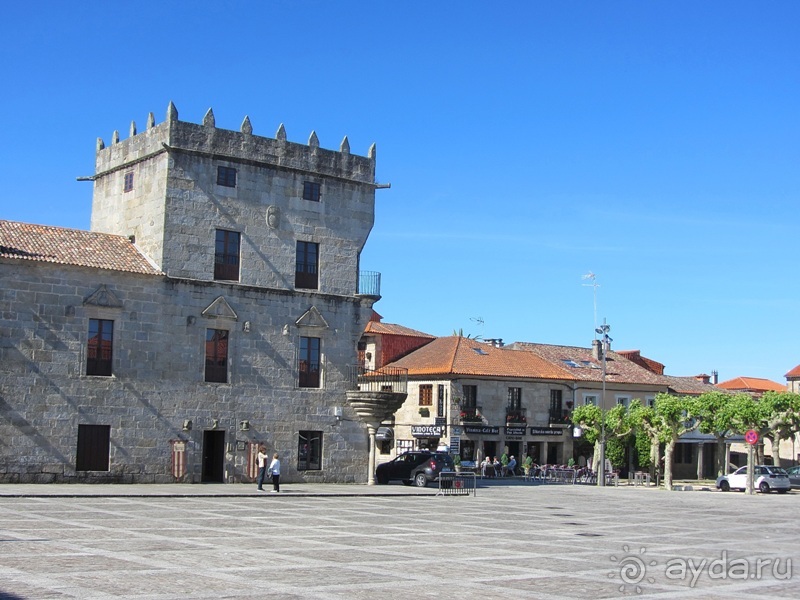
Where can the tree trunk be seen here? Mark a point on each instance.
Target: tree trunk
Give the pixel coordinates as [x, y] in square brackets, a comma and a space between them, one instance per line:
[776, 449]
[721, 467]
[654, 456]
[596, 458]
[669, 450]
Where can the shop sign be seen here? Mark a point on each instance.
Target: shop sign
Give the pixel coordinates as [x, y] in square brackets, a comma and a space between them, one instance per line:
[519, 431]
[546, 431]
[483, 430]
[427, 431]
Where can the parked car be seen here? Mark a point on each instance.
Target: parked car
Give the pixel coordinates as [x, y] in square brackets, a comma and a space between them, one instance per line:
[794, 476]
[416, 466]
[765, 479]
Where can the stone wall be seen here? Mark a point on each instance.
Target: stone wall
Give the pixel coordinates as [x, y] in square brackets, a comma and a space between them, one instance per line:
[158, 375]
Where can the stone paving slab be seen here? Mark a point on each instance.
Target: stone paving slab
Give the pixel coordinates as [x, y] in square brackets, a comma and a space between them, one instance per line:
[508, 541]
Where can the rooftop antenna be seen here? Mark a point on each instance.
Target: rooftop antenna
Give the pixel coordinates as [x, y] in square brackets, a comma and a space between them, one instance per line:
[594, 285]
[478, 320]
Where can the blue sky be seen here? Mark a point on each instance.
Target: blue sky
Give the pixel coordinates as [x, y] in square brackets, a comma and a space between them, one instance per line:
[654, 144]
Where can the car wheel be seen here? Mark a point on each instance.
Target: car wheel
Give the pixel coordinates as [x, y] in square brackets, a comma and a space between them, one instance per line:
[725, 486]
[763, 487]
[420, 480]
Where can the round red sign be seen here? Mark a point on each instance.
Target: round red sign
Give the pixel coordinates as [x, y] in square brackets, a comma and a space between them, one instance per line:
[751, 437]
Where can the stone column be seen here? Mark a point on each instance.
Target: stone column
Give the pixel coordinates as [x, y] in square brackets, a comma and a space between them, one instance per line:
[700, 460]
[726, 467]
[373, 408]
[372, 429]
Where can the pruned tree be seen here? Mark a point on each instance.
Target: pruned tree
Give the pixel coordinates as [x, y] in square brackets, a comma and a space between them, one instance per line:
[618, 426]
[646, 423]
[717, 419]
[779, 419]
[675, 416]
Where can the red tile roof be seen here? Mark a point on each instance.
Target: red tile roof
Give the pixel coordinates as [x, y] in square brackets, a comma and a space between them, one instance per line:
[754, 384]
[392, 329]
[794, 372]
[582, 365]
[465, 356]
[688, 385]
[44, 243]
[648, 363]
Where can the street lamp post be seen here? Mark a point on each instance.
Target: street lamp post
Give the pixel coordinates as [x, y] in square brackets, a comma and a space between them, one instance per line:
[603, 331]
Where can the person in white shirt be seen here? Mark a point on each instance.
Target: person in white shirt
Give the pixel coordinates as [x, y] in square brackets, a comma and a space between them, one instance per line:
[261, 459]
[275, 471]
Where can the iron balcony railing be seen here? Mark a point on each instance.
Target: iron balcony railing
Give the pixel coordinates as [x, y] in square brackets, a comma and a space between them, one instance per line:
[369, 283]
[385, 379]
[471, 414]
[515, 415]
[560, 417]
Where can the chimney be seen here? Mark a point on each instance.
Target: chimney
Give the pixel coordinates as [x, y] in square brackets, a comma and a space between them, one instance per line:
[597, 351]
[714, 377]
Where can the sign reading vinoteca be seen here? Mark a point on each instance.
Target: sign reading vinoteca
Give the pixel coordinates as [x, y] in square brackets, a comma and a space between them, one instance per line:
[433, 431]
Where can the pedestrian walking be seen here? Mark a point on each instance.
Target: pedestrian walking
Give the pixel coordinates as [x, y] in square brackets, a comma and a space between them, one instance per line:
[275, 471]
[261, 461]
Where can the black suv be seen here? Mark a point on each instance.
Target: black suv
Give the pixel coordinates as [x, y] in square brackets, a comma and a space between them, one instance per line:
[417, 466]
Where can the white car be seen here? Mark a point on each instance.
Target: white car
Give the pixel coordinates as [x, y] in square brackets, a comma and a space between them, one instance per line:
[765, 479]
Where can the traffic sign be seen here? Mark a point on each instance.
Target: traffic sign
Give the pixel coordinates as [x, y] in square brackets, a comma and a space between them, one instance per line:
[751, 437]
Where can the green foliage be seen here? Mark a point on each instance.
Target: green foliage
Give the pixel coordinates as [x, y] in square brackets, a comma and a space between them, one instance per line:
[615, 451]
[676, 415]
[715, 413]
[588, 418]
[642, 445]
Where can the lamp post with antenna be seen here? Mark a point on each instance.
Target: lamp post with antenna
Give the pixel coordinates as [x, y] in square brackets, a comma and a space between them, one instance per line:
[604, 345]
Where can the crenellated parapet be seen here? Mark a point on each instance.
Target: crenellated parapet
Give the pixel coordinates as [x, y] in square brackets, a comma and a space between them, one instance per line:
[174, 135]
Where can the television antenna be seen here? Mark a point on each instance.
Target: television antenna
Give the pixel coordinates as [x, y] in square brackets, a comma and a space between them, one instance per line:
[594, 285]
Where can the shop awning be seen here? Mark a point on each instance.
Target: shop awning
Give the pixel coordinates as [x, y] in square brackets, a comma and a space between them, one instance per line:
[384, 433]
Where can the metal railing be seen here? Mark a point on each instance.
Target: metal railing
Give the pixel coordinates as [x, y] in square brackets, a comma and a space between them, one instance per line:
[385, 379]
[470, 414]
[516, 415]
[369, 283]
[457, 484]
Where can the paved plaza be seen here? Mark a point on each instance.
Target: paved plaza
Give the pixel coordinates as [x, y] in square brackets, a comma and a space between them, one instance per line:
[354, 542]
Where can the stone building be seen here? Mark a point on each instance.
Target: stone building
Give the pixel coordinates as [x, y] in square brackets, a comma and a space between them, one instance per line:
[484, 398]
[215, 304]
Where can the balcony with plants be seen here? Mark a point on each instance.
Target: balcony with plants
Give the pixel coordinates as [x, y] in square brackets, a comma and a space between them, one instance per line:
[515, 416]
[471, 414]
[561, 416]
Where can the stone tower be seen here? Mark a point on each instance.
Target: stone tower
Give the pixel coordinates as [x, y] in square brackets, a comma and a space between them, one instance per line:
[174, 186]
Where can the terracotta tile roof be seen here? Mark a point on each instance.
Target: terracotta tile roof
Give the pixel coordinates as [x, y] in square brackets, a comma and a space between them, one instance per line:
[464, 356]
[648, 363]
[688, 385]
[794, 372]
[754, 384]
[392, 329]
[582, 365]
[45, 243]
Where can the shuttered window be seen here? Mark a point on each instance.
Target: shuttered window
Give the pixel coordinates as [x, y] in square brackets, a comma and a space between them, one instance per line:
[93, 445]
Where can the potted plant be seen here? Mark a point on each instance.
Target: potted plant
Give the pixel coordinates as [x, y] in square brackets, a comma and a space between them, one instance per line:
[457, 462]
